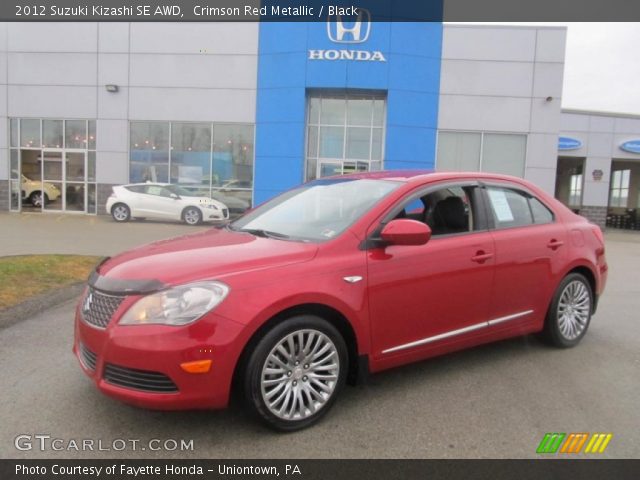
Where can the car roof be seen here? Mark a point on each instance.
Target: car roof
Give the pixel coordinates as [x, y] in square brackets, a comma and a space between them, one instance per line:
[420, 176]
[145, 184]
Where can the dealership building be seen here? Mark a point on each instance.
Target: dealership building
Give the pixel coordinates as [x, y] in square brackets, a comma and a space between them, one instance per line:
[243, 111]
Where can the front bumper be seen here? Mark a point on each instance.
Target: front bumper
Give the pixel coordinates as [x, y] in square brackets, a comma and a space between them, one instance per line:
[160, 349]
[211, 215]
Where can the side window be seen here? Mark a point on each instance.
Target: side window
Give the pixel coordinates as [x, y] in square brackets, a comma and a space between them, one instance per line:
[541, 214]
[154, 190]
[413, 210]
[137, 188]
[447, 211]
[509, 208]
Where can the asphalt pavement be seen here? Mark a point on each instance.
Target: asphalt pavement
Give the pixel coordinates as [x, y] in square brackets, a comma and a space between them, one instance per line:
[33, 233]
[495, 401]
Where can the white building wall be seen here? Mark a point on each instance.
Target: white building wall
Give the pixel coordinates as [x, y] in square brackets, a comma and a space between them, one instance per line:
[4, 127]
[164, 71]
[499, 79]
[601, 135]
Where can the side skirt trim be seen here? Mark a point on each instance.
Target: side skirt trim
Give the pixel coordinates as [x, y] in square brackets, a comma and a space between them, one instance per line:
[460, 331]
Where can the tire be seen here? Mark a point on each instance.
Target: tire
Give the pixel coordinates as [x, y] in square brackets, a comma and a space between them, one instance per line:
[292, 396]
[192, 216]
[574, 297]
[121, 212]
[36, 199]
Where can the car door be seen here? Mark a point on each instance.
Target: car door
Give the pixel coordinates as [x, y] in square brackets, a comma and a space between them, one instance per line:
[159, 203]
[530, 247]
[135, 199]
[424, 296]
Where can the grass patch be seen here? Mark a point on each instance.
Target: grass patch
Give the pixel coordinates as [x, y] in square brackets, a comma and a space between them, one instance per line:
[22, 277]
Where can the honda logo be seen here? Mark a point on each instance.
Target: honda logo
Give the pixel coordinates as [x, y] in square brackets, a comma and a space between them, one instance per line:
[350, 32]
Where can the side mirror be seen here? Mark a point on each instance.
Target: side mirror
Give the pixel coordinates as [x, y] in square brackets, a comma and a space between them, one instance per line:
[404, 231]
[175, 196]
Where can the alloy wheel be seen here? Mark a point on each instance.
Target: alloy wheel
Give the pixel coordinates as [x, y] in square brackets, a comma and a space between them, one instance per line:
[120, 213]
[300, 374]
[36, 200]
[192, 216]
[574, 309]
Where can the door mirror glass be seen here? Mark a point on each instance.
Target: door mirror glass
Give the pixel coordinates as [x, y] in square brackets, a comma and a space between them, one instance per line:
[175, 196]
[404, 231]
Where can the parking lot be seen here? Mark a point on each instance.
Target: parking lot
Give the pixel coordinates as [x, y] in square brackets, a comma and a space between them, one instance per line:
[496, 401]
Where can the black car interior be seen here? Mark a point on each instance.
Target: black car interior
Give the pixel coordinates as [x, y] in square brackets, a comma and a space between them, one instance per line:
[446, 211]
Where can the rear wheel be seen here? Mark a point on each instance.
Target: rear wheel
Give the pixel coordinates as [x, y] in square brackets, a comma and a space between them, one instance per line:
[120, 212]
[570, 311]
[295, 373]
[192, 216]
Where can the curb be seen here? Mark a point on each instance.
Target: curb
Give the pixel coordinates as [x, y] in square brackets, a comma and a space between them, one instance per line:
[38, 304]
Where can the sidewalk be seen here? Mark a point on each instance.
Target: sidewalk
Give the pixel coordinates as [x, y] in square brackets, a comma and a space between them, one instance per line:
[42, 233]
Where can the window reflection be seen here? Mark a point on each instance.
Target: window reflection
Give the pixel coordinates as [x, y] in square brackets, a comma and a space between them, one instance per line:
[206, 159]
[345, 133]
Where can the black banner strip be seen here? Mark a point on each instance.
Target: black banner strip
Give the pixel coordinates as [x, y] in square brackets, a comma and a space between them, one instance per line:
[319, 10]
[114, 469]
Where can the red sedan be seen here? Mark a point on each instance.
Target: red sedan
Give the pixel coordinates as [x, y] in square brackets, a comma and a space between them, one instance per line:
[332, 280]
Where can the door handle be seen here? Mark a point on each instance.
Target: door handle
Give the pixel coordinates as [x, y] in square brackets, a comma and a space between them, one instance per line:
[481, 256]
[555, 244]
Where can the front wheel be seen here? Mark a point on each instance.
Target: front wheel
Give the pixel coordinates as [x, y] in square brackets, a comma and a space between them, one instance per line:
[570, 312]
[294, 374]
[38, 199]
[192, 216]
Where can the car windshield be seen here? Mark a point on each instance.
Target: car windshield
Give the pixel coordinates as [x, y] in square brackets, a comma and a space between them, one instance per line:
[316, 211]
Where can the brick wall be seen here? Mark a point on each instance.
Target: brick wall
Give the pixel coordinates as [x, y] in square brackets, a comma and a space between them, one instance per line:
[104, 190]
[597, 215]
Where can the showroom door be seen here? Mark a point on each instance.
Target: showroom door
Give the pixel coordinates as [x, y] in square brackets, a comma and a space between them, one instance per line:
[52, 180]
[75, 191]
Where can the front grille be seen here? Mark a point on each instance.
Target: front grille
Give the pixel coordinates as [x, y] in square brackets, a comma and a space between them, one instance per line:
[87, 357]
[139, 379]
[98, 308]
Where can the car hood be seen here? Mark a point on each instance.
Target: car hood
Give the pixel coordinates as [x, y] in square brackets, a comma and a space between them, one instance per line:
[211, 254]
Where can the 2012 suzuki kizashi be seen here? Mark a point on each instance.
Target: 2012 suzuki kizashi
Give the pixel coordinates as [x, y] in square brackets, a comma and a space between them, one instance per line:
[332, 280]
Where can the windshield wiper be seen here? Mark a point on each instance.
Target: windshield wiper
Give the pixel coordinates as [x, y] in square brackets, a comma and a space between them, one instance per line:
[258, 232]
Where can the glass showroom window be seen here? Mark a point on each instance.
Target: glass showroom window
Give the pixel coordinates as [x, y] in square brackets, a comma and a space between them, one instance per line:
[479, 151]
[149, 147]
[619, 188]
[345, 134]
[191, 156]
[53, 164]
[206, 159]
[575, 190]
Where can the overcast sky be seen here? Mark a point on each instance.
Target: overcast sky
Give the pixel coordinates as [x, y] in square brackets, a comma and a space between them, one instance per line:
[602, 69]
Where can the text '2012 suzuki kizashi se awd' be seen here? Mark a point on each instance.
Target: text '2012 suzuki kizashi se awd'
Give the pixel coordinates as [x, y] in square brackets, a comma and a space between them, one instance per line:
[332, 280]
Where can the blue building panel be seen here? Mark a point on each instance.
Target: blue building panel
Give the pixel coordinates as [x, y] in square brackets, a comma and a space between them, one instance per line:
[400, 59]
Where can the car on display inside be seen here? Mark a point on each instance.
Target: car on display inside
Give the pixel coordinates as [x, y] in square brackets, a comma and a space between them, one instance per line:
[331, 281]
[163, 201]
[37, 192]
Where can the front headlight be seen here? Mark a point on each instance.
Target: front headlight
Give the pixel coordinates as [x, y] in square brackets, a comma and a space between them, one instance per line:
[211, 205]
[179, 305]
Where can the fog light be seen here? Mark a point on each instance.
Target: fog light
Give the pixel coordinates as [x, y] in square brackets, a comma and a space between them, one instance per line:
[198, 366]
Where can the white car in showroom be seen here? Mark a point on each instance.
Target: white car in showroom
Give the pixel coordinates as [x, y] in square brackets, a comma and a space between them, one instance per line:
[163, 201]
